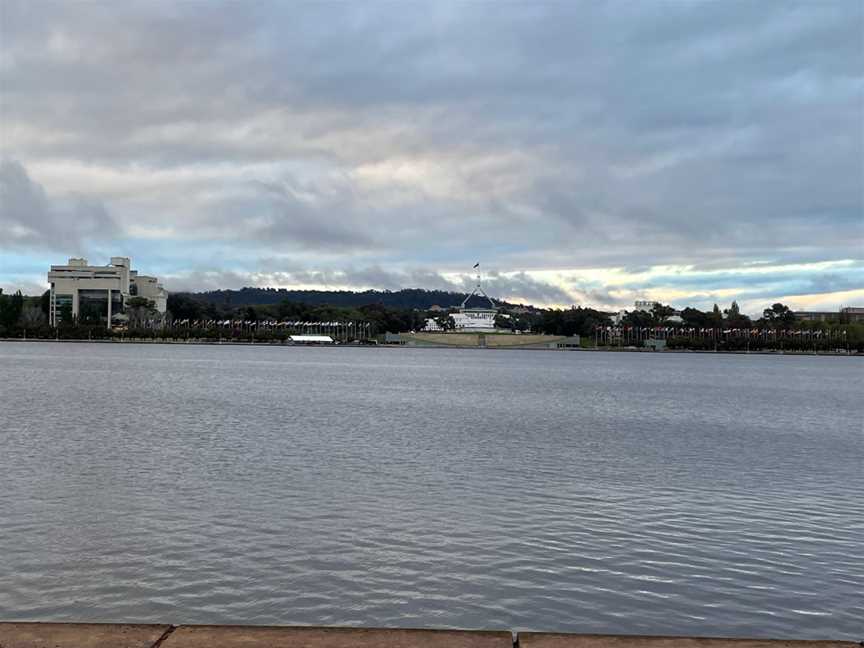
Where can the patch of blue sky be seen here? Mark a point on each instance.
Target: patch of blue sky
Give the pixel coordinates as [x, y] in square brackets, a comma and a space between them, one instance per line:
[25, 264]
[850, 277]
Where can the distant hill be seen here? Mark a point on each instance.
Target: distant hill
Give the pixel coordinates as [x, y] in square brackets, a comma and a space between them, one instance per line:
[409, 298]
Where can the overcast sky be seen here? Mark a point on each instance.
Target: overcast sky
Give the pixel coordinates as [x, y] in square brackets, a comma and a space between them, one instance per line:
[586, 153]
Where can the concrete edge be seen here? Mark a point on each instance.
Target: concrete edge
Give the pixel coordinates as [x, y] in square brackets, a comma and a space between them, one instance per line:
[33, 634]
[573, 640]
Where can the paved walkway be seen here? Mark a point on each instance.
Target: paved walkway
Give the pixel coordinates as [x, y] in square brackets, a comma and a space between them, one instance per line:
[97, 635]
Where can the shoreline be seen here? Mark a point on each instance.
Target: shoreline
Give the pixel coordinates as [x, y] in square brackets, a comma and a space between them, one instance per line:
[199, 342]
[99, 635]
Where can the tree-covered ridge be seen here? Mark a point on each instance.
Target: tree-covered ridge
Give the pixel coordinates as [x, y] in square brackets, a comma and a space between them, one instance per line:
[413, 298]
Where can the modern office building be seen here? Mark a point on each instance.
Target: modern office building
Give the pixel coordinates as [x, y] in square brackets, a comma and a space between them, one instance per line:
[852, 314]
[816, 316]
[100, 293]
[846, 315]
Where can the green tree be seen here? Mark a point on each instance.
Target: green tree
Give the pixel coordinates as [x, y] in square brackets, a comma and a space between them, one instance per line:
[139, 309]
[521, 322]
[573, 321]
[639, 318]
[291, 310]
[32, 317]
[716, 317]
[660, 312]
[733, 312]
[503, 323]
[183, 307]
[735, 318]
[694, 317]
[11, 307]
[778, 315]
[65, 315]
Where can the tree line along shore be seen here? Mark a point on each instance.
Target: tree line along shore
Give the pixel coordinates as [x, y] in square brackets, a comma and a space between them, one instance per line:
[215, 316]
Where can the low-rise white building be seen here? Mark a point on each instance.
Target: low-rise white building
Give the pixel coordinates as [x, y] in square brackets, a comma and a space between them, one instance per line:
[475, 320]
[311, 339]
[432, 326]
[645, 305]
[100, 292]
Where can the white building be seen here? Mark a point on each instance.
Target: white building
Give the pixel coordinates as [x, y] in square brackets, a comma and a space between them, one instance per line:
[311, 339]
[432, 326]
[100, 292]
[149, 288]
[476, 319]
[645, 305]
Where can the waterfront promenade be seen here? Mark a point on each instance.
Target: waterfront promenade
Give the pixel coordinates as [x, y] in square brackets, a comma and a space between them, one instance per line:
[95, 635]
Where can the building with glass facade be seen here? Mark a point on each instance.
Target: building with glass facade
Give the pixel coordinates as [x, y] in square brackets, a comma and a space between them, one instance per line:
[99, 293]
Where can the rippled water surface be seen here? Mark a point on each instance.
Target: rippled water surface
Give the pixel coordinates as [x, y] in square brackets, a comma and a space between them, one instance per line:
[587, 492]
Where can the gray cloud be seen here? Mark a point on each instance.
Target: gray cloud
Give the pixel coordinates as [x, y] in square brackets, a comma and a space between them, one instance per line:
[383, 136]
[275, 213]
[203, 280]
[520, 287]
[30, 218]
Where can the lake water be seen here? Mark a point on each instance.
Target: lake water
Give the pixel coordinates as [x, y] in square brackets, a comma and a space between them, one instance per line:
[584, 492]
